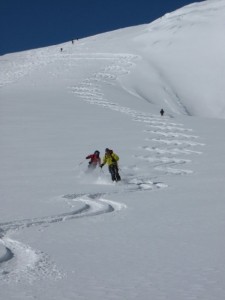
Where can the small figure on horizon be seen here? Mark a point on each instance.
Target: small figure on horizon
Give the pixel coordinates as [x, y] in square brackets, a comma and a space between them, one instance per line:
[161, 112]
[61, 49]
[111, 159]
[94, 160]
[72, 41]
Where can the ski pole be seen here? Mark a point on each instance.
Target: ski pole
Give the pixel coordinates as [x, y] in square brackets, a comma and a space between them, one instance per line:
[121, 170]
[81, 162]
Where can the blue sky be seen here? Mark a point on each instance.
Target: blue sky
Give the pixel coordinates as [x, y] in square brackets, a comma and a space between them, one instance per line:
[28, 24]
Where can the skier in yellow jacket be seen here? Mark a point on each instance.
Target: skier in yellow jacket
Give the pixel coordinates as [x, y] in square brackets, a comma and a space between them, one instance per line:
[111, 159]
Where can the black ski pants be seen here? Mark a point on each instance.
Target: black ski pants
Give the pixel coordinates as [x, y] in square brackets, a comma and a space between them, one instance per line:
[114, 171]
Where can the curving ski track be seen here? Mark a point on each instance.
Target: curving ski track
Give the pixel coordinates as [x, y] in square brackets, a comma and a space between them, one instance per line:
[21, 261]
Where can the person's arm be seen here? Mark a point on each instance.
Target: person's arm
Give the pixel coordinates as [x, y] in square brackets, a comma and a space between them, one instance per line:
[115, 157]
[103, 163]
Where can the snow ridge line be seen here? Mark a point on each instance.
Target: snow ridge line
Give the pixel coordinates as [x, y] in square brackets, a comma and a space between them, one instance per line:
[22, 262]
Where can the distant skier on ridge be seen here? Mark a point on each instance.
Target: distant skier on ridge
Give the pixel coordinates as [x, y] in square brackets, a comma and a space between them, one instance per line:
[161, 112]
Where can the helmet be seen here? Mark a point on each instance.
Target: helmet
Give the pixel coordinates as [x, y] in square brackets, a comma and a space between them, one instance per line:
[108, 151]
[97, 152]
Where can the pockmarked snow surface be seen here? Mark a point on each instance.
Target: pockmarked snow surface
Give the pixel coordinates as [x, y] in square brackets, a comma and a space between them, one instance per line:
[66, 233]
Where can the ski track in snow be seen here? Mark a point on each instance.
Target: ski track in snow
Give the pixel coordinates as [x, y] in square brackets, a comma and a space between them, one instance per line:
[165, 144]
[21, 262]
[162, 158]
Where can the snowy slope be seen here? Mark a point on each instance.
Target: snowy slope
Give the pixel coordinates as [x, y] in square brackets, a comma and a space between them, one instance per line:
[158, 234]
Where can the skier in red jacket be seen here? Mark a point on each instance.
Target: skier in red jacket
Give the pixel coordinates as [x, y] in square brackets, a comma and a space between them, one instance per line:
[94, 160]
